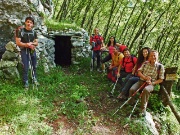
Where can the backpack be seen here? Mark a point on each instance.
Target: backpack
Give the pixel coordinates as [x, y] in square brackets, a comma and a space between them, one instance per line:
[132, 60]
[112, 74]
[122, 47]
[98, 40]
[117, 58]
[21, 28]
[132, 56]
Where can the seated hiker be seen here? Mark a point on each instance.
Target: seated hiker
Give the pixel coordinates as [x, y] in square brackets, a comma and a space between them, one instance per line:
[126, 65]
[111, 45]
[96, 41]
[151, 72]
[131, 79]
[116, 58]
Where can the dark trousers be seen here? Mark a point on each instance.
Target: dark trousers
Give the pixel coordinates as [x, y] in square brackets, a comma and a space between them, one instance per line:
[128, 82]
[107, 58]
[97, 54]
[25, 60]
[123, 74]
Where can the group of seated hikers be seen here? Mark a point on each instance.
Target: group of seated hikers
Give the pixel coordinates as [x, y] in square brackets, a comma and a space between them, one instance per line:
[129, 71]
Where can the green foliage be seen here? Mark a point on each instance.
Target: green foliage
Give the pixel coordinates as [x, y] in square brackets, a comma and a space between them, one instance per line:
[138, 127]
[156, 104]
[71, 92]
[58, 26]
[169, 124]
[135, 23]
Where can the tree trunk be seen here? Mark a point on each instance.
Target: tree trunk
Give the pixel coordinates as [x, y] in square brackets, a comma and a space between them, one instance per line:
[61, 10]
[85, 13]
[119, 20]
[114, 4]
[165, 91]
[178, 84]
[136, 24]
[168, 102]
[124, 29]
[139, 32]
[168, 8]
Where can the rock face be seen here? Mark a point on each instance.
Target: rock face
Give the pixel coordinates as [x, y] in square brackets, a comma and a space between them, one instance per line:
[9, 62]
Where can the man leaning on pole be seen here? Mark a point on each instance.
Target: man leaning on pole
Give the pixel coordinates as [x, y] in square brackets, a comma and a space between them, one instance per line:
[151, 72]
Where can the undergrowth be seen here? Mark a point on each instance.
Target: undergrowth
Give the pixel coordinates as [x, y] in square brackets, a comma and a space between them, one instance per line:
[75, 93]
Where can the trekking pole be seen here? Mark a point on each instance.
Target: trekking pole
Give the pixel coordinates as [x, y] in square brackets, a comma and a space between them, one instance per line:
[112, 91]
[92, 56]
[32, 73]
[111, 84]
[135, 105]
[31, 66]
[131, 97]
[92, 61]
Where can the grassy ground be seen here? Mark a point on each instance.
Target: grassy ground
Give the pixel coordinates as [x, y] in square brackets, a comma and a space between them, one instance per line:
[73, 100]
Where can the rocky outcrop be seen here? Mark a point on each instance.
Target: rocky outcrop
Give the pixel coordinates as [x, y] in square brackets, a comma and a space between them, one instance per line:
[9, 62]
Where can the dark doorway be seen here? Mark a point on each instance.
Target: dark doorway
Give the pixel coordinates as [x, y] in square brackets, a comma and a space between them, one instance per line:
[63, 50]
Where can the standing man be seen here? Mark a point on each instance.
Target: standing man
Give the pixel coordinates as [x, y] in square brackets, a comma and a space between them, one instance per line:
[27, 40]
[96, 41]
[152, 73]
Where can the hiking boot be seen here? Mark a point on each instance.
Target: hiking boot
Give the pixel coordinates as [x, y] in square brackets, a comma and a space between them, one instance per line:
[121, 97]
[131, 101]
[26, 85]
[35, 82]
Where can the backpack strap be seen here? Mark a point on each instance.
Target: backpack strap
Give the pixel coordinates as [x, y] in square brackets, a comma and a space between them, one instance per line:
[158, 70]
[123, 62]
[23, 31]
[93, 35]
[132, 59]
[119, 55]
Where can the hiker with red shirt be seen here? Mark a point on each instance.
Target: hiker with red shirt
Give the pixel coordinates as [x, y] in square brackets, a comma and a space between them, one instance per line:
[151, 72]
[96, 41]
[126, 65]
[131, 79]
